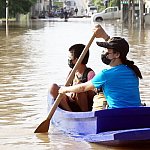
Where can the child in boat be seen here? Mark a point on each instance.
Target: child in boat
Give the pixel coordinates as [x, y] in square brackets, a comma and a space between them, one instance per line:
[120, 83]
[77, 101]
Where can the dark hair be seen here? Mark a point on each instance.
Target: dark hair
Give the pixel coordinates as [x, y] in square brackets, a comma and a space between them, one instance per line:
[77, 50]
[118, 44]
[131, 65]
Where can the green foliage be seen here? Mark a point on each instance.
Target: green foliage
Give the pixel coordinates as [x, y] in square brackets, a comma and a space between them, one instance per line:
[100, 4]
[115, 3]
[16, 6]
[2, 8]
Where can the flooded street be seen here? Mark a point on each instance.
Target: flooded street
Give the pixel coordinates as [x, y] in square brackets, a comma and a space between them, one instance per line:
[34, 56]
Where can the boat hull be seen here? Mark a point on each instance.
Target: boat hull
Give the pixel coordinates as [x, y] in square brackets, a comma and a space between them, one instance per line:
[121, 124]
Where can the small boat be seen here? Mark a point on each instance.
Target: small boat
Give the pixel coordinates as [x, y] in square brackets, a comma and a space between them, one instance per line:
[118, 125]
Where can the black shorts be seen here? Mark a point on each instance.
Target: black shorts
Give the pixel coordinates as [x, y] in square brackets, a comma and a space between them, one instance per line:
[73, 105]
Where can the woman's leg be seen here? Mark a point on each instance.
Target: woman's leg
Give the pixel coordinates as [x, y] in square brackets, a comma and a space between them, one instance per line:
[54, 93]
[82, 101]
[85, 100]
[54, 90]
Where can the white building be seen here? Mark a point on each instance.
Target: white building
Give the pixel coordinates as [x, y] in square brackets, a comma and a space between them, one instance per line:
[39, 7]
[147, 6]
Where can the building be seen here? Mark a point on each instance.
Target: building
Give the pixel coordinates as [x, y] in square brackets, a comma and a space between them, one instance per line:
[147, 6]
[40, 8]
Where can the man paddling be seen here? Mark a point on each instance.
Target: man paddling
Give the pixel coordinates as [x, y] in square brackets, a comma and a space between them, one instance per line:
[76, 101]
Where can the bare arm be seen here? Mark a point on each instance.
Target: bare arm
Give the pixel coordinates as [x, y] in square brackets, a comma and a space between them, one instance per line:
[83, 87]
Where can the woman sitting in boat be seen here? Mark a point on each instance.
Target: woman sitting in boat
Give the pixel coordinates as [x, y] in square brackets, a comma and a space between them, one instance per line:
[74, 101]
[120, 83]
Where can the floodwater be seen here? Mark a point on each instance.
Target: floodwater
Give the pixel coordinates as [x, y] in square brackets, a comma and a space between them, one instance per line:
[35, 55]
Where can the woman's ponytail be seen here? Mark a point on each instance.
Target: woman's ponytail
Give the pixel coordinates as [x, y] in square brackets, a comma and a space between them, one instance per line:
[131, 65]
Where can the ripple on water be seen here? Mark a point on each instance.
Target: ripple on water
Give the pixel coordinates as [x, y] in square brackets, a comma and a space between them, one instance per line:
[35, 56]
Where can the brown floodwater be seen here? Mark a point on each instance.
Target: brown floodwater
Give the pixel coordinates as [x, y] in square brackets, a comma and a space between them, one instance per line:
[33, 56]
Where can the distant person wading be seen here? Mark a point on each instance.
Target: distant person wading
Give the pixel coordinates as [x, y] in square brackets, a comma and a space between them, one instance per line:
[76, 11]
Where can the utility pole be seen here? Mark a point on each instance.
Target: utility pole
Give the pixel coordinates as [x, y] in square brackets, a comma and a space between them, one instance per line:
[131, 11]
[39, 7]
[6, 17]
[141, 16]
[50, 5]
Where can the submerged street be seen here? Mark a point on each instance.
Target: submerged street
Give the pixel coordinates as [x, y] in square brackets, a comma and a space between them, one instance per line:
[35, 55]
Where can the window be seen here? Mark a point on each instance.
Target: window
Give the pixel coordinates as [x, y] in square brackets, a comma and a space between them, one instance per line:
[115, 9]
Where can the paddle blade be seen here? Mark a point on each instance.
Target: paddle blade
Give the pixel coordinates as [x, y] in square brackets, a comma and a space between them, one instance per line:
[43, 127]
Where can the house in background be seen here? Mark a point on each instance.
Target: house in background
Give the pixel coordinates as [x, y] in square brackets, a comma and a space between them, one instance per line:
[147, 12]
[147, 6]
[40, 9]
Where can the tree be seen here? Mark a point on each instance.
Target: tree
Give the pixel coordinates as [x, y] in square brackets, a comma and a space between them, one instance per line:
[115, 3]
[17, 6]
[101, 3]
[2, 8]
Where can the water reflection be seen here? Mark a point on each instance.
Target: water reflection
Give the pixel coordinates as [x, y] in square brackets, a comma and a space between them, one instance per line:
[43, 137]
[34, 56]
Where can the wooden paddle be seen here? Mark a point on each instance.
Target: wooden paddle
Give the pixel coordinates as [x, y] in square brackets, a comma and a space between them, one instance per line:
[44, 126]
